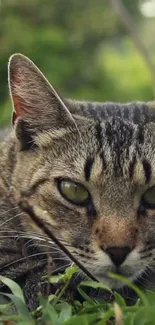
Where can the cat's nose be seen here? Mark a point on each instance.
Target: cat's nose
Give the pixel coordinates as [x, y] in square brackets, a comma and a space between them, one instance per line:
[118, 254]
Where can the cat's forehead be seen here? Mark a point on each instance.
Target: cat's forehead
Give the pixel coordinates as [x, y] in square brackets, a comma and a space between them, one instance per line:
[119, 132]
[122, 148]
[121, 145]
[122, 139]
[119, 125]
[124, 144]
[125, 127]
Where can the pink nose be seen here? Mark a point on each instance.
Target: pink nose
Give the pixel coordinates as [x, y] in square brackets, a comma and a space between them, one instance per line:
[118, 254]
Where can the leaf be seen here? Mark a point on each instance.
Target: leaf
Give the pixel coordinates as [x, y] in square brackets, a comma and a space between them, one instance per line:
[119, 299]
[5, 307]
[51, 297]
[50, 315]
[105, 317]
[128, 319]
[56, 278]
[21, 307]
[82, 320]
[86, 297]
[93, 308]
[141, 317]
[150, 296]
[69, 272]
[6, 318]
[138, 302]
[66, 312]
[13, 286]
[145, 315]
[131, 285]
[95, 285]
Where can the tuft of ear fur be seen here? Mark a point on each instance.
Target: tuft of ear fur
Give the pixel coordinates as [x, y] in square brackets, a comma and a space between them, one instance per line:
[37, 107]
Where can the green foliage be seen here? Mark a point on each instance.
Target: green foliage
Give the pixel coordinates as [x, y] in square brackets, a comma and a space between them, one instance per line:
[82, 48]
[56, 310]
[130, 75]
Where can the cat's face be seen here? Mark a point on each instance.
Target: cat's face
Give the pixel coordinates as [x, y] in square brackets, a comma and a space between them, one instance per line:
[92, 178]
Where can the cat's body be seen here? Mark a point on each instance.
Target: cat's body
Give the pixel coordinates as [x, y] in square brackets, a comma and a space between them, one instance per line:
[109, 150]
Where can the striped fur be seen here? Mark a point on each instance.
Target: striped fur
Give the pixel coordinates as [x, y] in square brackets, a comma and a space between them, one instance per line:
[107, 147]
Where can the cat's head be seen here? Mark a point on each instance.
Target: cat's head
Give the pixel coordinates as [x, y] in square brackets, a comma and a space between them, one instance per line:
[90, 170]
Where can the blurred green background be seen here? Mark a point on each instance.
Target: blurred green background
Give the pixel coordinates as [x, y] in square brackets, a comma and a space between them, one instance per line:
[81, 47]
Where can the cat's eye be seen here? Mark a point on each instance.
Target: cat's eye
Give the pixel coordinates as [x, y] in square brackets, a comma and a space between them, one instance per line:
[73, 191]
[149, 198]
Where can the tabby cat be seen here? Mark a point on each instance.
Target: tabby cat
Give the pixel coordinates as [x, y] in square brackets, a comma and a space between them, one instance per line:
[89, 169]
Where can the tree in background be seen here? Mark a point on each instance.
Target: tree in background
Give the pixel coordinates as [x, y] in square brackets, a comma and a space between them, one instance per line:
[79, 45]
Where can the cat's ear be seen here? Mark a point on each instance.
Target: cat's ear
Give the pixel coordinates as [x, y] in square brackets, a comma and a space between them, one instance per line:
[37, 106]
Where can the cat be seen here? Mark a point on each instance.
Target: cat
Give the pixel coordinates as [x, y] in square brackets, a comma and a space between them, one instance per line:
[89, 169]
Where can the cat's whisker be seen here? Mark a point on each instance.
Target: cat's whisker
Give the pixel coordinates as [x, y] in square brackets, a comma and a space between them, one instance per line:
[53, 260]
[146, 256]
[32, 237]
[9, 236]
[18, 237]
[17, 215]
[27, 257]
[10, 210]
[49, 244]
[54, 244]
[26, 245]
[60, 258]
[141, 279]
[52, 249]
[61, 240]
[64, 244]
[22, 234]
[67, 245]
[12, 231]
[76, 276]
[41, 261]
[147, 249]
[63, 267]
[32, 240]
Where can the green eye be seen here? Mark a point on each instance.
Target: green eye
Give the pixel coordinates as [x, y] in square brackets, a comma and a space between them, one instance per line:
[149, 197]
[73, 192]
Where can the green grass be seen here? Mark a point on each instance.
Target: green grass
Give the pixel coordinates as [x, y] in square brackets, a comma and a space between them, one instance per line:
[55, 310]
